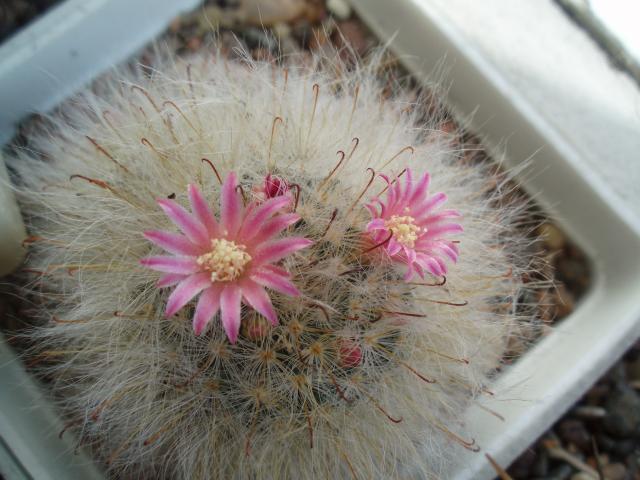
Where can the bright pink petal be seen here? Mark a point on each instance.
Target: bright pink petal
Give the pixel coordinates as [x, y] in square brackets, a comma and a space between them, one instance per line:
[253, 222]
[185, 291]
[191, 227]
[230, 206]
[202, 211]
[208, 306]
[259, 300]
[273, 227]
[230, 311]
[275, 282]
[181, 265]
[408, 185]
[448, 251]
[420, 191]
[393, 247]
[172, 242]
[278, 249]
[431, 204]
[169, 280]
[376, 224]
[409, 273]
[444, 229]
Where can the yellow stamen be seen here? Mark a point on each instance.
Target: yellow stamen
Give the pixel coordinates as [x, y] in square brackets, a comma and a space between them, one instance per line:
[225, 261]
[404, 229]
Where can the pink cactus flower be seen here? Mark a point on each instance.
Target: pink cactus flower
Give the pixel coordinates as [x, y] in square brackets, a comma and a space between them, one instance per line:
[228, 262]
[410, 228]
[275, 186]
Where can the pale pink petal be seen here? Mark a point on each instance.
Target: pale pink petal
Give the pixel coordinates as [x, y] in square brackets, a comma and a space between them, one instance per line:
[230, 311]
[172, 242]
[202, 211]
[273, 227]
[231, 209]
[448, 251]
[275, 282]
[433, 266]
[259, 300]
[276, 270]
[443, 266]
[256, 219]
[278, 249]
[376, 224]
[170, 279]
[393, 247]
[162, 263]
[420, 190]
[185, 291]
[408, 185]
[372, 209]
[444, 229]
[208, 306]
[431, 204]
[191, 227]
[409, 272]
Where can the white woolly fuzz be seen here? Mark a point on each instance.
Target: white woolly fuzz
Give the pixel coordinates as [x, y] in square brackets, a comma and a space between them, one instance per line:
[153, 400]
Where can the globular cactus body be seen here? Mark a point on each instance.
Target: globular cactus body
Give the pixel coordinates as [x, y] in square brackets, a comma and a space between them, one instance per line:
[367, 371]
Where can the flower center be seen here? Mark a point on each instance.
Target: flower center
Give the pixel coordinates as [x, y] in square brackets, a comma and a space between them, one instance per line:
[225, 261]
[403, 229]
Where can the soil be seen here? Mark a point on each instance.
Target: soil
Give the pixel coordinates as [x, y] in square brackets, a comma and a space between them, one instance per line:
[15, 14]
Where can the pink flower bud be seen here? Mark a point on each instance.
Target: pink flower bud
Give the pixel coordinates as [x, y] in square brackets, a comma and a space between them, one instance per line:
[275, 186]
[349, 353]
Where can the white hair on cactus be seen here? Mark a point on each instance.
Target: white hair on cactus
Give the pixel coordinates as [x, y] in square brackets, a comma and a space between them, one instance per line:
[365, 375]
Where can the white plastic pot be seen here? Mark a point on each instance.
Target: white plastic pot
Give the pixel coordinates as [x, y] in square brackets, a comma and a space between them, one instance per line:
[80, 38]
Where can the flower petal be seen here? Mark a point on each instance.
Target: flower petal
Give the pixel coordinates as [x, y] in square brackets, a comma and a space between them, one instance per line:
[420, 190]
[274, 281]
[259, 300]
[273, 227]
[278, 249]
[172, 242]
[208, 306]
[256, 219]
[170, 279]
[185, 291]
[163, 263]
[376, 224]
[230, 311]
[443, 229]
[202, 211]
[191, 227]
[231, 208]
[430, 204]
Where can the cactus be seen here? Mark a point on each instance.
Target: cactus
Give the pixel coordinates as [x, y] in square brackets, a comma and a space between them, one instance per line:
[370, 358]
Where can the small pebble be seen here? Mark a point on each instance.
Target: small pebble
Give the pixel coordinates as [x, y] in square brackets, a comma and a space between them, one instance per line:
[574, 432]
[352, 34]
[339, 8]
[623, 407]
[523, 465]
[269, 12]
[587, 411]
[561, 472]
[552, 236]
[615, 471]
[541, 466]
[582, 476]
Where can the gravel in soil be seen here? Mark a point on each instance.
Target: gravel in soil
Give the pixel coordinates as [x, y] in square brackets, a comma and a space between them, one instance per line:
[15, 14]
